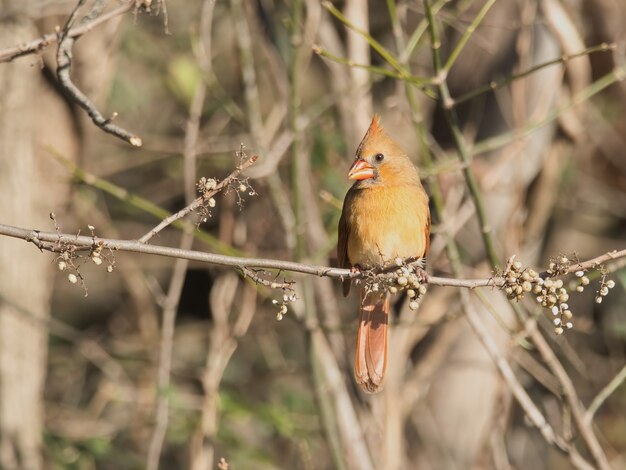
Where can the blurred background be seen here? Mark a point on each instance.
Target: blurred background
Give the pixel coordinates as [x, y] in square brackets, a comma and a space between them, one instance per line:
[174, 364]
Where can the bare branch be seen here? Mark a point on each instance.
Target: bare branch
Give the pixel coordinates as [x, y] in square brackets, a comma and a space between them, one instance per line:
[64, 65]
[199, 201]
[37, 45]
[51, 241]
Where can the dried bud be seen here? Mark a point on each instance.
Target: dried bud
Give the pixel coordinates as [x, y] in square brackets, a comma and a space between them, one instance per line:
[579, 288]
[413, 305]
[517, 265]
[598, 300]
[109, 268]
[526, 286]
[610, 283]
[410, 293]
[211, 202]
[96, 260]
[558, 330]
[402, 281]
[242, 188]
[72, 278]
[209, 184]
[584, 280]
[393, 289]
[62, 265]
[580, 273]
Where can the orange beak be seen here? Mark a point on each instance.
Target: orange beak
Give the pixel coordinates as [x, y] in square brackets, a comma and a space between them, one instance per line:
[360, 170]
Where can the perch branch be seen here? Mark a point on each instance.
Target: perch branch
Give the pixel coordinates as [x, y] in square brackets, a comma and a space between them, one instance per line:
[53, 241]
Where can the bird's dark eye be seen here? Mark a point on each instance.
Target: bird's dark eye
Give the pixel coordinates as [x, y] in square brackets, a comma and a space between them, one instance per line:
[379, 157]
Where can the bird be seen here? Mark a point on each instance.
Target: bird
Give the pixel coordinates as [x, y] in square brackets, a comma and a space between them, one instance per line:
[385, 217]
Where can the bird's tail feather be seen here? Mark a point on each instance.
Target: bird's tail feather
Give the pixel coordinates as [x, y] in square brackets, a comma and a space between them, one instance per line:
[370, 362]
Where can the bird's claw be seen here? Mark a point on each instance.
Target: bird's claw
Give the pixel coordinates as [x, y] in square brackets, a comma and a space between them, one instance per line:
[422, 275]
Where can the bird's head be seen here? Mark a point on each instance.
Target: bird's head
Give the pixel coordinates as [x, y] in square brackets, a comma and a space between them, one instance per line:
[380, 161]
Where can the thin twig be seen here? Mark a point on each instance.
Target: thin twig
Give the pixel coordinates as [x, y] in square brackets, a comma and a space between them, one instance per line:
[37, 45]
[459, 140]
[618, 74]
[468, 34]
[496, 84]
[64, 65]
[605, 393]
[165, 356]
[192, 132]
[199, 201]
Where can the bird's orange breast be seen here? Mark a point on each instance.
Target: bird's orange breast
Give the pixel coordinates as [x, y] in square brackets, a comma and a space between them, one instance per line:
[387, 223]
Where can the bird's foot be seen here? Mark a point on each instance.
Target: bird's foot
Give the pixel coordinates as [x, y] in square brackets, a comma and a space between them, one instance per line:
[421, 274]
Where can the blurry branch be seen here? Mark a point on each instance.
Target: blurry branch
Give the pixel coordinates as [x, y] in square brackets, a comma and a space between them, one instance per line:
[378, 47]
[166, 345]
[37, 45]
[417, 34]
[59, 242]
[547, 354]
[138, 202]
[496, 84]
[201, 200]
[529, 407]
[487, 145]
[89, 348]
[64, 65]
[192, 131]
[452, 119]
[605, 393]
[421, 82]
[464, 38]
[296, 156]
[278, 192]
[224, 338]
[401, 71]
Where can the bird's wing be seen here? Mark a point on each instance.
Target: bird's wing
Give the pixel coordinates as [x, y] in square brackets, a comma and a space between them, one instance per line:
[427, 230]
[343, 234]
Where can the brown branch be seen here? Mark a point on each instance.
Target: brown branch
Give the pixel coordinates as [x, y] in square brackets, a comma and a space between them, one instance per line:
[64, 65]
[199, 201]
[53, 241]
[37, 45]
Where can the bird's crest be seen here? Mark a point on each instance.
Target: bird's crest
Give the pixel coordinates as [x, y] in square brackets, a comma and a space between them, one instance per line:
[373, 132]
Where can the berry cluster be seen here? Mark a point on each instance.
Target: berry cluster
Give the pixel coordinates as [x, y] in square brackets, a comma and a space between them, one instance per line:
[409, 277]
[549, 292]
[289, 295]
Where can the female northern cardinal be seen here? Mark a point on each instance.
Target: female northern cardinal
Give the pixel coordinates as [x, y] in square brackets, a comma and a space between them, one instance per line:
[385, 216]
